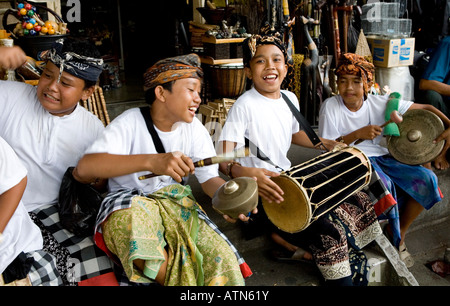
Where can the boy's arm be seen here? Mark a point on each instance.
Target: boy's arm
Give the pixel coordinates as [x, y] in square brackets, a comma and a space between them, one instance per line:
[266, 187]
[9, 200]
[442, 88]
[432, 109]
[301, 139]
[12, 57]
[210, 186]
[103, 165]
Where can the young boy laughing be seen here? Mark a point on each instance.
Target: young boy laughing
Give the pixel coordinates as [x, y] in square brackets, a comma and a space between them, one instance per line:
[262, 116]
[154, 226]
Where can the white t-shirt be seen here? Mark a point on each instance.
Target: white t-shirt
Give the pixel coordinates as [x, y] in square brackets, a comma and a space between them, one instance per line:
[128, 134]
[20, 234]
[268, 123]
[336, 120]
[46, 145]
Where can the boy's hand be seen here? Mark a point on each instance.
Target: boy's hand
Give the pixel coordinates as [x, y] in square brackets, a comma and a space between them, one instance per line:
[267, 188]
[441, 161]
[12, 57]
[241, 217]
[174, 164]
[369, 132]
[330, 144]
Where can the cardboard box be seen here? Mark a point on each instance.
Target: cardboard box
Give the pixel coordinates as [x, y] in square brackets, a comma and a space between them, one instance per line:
[392, 52]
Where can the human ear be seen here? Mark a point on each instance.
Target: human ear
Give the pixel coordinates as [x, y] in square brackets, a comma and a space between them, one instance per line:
[248, 72]
[159, 93]
[285, 70]
[87, 93]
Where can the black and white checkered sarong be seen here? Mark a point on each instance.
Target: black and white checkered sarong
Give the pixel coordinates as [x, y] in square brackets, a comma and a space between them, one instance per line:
[84, 260]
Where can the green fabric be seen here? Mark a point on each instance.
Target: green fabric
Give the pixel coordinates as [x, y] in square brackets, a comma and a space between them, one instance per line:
[392, 128]
[169, 219]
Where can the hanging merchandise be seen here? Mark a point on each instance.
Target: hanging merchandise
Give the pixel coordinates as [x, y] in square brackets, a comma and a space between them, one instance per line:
[32, 33]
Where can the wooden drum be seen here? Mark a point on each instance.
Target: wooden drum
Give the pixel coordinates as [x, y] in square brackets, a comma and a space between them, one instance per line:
[314, 187]
[228, 80]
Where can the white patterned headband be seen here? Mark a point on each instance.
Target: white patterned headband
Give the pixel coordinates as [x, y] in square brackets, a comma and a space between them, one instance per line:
[83, 67]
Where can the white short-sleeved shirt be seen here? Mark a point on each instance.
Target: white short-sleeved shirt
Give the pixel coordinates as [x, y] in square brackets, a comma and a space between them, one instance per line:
[268, 123]
[127, 134]
[20, 234]
[45, 144]
[336, 120]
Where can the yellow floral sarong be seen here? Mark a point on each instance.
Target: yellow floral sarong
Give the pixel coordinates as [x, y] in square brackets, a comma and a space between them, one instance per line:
[169, 219]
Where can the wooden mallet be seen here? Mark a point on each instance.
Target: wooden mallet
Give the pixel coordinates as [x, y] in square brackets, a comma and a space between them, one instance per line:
[244, 152]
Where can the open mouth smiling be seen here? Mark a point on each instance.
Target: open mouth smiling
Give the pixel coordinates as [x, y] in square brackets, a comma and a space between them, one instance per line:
[193, 109]
[270, 77]
[50, 97]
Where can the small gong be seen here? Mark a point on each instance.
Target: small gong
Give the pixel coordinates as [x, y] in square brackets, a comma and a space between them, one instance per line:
[235, 197]
[415, 144]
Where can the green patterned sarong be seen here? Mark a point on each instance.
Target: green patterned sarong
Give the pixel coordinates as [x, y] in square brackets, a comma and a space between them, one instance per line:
[169, 219]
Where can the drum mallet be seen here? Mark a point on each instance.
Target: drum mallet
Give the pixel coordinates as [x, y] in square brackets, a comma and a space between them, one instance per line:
[244, 152]
[395, 118]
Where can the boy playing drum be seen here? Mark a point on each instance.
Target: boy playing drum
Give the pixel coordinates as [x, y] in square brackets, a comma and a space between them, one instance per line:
[262, 116]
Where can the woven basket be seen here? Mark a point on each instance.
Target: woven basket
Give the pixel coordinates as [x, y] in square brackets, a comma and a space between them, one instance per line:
[33, 45]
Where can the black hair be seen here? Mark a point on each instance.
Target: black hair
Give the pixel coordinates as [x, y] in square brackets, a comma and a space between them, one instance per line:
[150, 93]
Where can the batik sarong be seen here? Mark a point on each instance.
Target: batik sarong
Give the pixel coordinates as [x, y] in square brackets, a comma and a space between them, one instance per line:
[336, 239]
[402, 180]
[170, 219]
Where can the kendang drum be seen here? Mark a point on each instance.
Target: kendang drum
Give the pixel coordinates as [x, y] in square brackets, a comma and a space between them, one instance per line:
[315, 187]
[228, 80]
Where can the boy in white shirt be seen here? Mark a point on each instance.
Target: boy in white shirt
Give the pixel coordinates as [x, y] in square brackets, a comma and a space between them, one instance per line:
[354, 114]
[154, 227]
[262, 116]
[20, 239]
[49, 132]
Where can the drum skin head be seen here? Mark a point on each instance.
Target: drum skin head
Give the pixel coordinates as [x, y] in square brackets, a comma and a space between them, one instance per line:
[415, 144]
[294, 213]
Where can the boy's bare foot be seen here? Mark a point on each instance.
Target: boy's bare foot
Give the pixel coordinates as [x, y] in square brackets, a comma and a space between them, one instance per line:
[441, 163]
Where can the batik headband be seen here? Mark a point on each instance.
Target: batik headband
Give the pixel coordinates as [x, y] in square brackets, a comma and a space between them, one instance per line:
[354, 64]
[253, 42]
[173, 68]
[83, 67]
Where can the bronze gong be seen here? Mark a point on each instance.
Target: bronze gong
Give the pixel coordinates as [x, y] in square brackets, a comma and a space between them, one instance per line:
[235, 197]
[415, 144]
